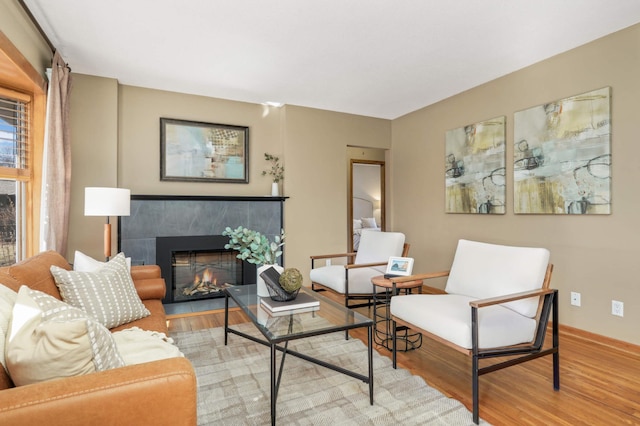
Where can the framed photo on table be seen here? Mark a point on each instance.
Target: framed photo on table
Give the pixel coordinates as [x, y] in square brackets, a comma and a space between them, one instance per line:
[193, 151]
[399, 266]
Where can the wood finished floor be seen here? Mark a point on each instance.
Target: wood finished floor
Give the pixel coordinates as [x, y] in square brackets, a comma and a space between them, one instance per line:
[599, 384]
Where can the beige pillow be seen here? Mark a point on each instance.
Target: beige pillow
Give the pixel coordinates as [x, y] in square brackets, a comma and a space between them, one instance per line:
[7, 300]
[108, 294]
[137, 345]
[49, 339]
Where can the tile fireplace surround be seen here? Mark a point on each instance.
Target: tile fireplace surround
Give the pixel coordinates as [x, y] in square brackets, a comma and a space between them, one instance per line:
[154, 216]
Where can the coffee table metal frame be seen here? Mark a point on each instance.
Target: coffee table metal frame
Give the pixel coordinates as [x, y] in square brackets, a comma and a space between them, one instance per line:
[246, 298]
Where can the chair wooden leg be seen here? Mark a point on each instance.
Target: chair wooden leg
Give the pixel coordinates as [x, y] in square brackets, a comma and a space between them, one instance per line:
[474, 389]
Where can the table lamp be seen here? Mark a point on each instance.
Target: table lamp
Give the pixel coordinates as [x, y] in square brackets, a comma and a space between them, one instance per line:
[107, 202]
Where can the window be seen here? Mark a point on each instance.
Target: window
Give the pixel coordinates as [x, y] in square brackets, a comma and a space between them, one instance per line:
[14, 171]
[22, 119]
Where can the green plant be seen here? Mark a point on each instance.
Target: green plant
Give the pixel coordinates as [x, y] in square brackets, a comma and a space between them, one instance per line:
[291, 280]
[276, 170]
[252, 246]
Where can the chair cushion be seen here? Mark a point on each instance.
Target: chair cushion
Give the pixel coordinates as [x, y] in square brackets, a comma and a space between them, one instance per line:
[482, 270]
[333, 277]
[379, 246]
[449, 316]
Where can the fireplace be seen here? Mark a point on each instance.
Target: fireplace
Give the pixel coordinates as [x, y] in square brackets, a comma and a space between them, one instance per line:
[199, 267]
[187, 230]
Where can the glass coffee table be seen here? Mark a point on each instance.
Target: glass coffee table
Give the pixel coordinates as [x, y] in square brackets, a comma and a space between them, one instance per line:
[279, 330]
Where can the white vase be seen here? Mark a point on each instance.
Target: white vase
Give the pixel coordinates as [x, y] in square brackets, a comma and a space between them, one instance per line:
[275, 191]
[262, 286]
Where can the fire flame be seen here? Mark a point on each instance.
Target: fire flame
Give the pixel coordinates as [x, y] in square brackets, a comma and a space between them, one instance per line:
[207, 277]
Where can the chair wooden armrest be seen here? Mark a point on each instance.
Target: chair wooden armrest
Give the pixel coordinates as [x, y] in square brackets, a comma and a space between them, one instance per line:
[350, 257]
[331, 256]
[509, 298]
[419, 277]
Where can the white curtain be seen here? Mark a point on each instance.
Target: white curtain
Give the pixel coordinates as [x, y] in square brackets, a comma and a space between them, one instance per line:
[56, 167]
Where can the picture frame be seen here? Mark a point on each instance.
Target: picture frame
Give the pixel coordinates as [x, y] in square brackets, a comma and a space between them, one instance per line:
[475, 167]
[400, 266]
[562, 156]
[194, 151]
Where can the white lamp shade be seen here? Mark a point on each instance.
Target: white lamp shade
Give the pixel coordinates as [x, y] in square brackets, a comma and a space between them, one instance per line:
[107, 201]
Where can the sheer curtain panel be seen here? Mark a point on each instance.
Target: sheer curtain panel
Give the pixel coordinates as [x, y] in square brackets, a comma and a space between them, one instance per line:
[56, 181]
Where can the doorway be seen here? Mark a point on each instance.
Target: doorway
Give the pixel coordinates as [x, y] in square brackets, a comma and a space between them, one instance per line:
[366, 206]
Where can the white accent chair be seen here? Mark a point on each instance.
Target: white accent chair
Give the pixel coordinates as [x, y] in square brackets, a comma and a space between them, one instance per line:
[497, 302]
[353, 279]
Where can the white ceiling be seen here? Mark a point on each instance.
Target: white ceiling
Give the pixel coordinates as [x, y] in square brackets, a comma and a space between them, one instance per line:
[378, 58]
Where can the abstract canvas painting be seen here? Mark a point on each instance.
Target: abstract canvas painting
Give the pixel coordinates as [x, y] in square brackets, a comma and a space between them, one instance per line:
[475, 168]
[193, 151]
[562, 156]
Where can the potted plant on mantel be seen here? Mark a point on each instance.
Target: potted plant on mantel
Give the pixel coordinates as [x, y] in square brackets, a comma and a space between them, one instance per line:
[256, 248]
[276, 172]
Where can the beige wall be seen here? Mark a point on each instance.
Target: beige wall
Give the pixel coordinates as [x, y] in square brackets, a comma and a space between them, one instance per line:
[316, 178]
[594, 255]
[312, 142]
[94, 158]
[139, 113]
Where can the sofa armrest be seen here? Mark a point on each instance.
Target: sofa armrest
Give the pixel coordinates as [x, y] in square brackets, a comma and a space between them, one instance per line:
[152, 288]
[160, 393]
[148, 282]
[142, 272]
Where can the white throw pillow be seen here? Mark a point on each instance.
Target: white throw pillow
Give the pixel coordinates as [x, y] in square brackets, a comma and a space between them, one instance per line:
[108, 295]
[369, 222]
[137, 345]
[357, 224]
[7, 300]
[84, 263]
[49, 339]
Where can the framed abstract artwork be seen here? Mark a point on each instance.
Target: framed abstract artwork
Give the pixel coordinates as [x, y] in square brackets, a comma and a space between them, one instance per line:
[475, 159]
[193, 151]
[562, 156]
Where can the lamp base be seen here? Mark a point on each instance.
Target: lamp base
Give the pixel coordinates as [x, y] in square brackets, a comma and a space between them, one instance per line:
[107, 240]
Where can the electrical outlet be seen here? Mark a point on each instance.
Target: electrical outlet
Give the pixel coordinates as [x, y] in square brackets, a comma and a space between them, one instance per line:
[617, 308]
[575, 298]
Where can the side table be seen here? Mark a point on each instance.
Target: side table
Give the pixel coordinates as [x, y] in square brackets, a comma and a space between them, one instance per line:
[407, 339]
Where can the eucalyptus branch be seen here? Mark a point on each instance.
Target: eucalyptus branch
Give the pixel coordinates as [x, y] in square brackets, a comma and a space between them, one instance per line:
[276, 170]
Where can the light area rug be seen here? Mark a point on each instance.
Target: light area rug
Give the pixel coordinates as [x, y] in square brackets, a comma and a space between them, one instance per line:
[234, 384]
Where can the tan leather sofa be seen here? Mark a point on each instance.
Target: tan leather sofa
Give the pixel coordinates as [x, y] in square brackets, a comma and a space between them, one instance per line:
[154, 393]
